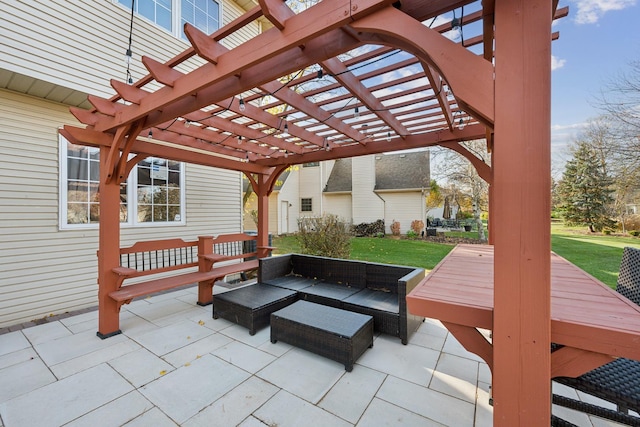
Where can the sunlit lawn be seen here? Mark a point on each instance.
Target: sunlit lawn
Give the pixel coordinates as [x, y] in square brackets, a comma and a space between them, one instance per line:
[597, 254]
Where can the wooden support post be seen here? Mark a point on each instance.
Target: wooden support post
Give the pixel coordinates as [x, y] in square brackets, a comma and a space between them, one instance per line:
[108, 249]
[262, 191]
[521, 212]
[205, 289]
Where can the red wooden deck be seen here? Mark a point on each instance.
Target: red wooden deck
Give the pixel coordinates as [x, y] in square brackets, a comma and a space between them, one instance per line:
[586, 315]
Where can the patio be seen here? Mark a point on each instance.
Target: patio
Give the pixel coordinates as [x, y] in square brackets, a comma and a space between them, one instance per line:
[174, 365]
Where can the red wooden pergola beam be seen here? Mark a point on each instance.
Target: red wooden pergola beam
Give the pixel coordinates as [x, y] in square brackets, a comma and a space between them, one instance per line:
[355, 86]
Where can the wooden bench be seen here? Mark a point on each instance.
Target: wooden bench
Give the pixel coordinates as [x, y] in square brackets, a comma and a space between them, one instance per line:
[200, 258]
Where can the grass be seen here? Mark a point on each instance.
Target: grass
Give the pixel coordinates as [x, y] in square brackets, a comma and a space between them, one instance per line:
[597, 254]
[415, 253]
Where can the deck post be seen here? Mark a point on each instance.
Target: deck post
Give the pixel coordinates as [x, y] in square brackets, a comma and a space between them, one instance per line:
[521, 213]
[108, 250]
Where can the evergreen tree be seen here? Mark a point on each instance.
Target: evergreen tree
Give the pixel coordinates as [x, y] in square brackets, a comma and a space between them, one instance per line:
[585, 190]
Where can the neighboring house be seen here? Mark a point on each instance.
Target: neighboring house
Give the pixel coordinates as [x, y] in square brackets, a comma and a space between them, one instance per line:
[360, 190]
[53, 54]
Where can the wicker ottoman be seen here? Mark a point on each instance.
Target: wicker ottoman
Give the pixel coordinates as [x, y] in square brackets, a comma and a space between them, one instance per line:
[330, 332]
[251, 306]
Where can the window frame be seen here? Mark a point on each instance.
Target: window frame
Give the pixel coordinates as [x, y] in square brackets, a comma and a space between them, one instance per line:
[132, 197]
[302, 204]
[176, 16]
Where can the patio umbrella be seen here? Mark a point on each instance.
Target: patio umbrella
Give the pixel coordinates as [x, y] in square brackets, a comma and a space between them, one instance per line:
[446, 211]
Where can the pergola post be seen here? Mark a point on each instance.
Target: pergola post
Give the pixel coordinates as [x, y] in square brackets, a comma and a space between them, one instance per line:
[521, 213]
[262, 192]
[108, 249]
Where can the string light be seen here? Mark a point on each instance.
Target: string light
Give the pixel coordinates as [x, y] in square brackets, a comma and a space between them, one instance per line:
[241, 104]
[388, 136]
[187, 123]
[246, 159]
[239, 139]
[356, 113]
[150, 136]
[327, 147]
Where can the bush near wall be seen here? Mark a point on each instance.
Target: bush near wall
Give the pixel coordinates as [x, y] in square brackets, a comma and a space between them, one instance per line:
[327, 235]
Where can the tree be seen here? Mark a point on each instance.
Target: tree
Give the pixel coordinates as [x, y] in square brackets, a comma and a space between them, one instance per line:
[585, 190]
[466, 188]
[434, 199]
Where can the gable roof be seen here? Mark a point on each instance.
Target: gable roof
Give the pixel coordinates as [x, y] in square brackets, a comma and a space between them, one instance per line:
[402, 171]
[340, 178]
[393, 172]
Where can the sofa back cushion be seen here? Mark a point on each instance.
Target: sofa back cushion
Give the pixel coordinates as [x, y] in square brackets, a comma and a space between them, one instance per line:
[385, 277]
[344, 271]
[307, 266]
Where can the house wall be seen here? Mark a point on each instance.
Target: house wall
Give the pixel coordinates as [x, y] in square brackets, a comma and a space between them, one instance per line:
[367, 207]
[339, 204]
[47, 270]
[289, 193]
[76, 47]
[81, 44]
[310, 185]
[403, 207]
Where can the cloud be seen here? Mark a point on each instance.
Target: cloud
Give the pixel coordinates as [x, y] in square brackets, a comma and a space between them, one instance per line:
[590, 11]
[557, 62]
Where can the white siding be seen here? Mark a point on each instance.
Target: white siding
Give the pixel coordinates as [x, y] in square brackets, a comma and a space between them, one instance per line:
[289, 193]
[367, 207]
[80, 44]
[403, 207]
[310, 181]
[45, 270]
[339, 204]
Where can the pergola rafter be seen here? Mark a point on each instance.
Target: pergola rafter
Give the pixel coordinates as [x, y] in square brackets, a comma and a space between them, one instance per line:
[300, 82]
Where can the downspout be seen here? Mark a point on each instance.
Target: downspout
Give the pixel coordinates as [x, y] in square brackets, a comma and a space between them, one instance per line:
[384, 208]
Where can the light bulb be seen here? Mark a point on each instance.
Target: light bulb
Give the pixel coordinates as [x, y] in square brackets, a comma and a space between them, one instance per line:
[286, 128]
[388, 136]
[356, 113]
[327, 147]
[241, 104]
[286, 154]
[461, 123]
[239, 139]
[127, 56]
[187, 123]
[246, 159]
[150, 136]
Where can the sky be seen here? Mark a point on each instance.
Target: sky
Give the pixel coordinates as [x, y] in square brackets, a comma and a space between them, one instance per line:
[598, 41]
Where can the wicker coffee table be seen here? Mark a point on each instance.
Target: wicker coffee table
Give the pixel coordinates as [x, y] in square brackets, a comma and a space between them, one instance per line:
[251, 306]
[337, 334]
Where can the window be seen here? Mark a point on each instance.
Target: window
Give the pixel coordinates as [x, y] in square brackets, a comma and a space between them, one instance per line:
[172, 14]
[202, 14]
[306, 205]
[157, 183]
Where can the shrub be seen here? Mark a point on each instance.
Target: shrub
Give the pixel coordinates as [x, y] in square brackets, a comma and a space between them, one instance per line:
[632, 222]
[606, 232]
[368, 229]
[417, 226]
[395, 228]
[412, 234]
[327, 235]
[635, 233]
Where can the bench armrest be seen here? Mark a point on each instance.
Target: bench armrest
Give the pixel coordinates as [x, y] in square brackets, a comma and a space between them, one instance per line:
[124, 271]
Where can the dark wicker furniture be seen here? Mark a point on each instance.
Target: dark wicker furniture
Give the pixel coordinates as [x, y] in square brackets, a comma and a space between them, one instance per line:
[618, 381]
[377, 290]
[328, 331]
[251, 306]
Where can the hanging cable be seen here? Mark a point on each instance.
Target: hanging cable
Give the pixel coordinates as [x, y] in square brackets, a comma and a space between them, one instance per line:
[129, 54]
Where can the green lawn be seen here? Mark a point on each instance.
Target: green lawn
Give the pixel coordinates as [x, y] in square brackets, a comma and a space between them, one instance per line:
[597, 254]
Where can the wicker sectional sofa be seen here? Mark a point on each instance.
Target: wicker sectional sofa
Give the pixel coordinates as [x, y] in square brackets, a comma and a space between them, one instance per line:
[378, 290]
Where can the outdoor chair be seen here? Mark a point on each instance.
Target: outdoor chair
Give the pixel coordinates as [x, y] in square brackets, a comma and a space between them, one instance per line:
[618, 381]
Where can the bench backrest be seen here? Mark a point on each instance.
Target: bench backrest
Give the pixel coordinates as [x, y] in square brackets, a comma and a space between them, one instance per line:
[629, 275]
[159, 256]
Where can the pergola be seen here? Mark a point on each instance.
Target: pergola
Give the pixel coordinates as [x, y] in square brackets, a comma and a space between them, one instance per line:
[347, 78]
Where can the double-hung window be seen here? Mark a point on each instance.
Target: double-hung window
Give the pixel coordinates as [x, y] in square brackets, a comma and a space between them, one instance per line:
[152, 195]
[172, 14]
